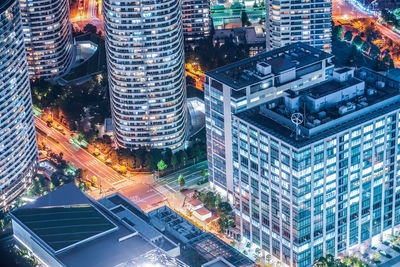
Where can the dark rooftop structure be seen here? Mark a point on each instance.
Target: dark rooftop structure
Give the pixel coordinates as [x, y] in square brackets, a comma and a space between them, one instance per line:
[331, 107]
[83, 232]
[207, 245]
[244, 72]
[62, 227]
[329, 87]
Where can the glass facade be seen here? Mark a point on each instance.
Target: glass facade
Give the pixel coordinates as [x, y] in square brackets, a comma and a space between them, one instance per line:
[196, 20]
[18, 148]
[144, 43]
[302, 203]
[299, 21]
[48, 37]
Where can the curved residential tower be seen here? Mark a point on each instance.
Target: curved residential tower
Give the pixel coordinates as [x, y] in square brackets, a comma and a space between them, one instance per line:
[146, 72]
[18, 149]
[48, 37]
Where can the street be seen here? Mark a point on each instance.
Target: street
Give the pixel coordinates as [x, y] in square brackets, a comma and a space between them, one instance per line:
[141, 189]
[344, 10]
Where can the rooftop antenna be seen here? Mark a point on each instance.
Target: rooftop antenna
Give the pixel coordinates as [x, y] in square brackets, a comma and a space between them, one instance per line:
[297, 119]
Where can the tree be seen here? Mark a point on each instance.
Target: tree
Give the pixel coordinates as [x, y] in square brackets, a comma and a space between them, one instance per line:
[55, 180]
[348, 36]
[181, 180]
[90, 28]
[173, 161]
[161, 165]
[376, 256]
[82, 186]
[245, 19]
[337, 31]
[184, 157]
[218, 200]
[357, 41]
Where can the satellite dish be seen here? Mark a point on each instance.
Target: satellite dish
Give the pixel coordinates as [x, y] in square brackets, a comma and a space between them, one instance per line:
[297, 119]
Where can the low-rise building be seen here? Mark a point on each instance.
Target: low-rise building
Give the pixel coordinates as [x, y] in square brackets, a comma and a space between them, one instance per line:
[67, 228]
[252, 37]
[202, 214]
[194, 204]
[207, 246]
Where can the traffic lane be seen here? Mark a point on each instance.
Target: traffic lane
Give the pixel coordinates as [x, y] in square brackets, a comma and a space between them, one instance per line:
[71, 157]
[194, 170]
[84, 160]
[146, 196]
[82, 154]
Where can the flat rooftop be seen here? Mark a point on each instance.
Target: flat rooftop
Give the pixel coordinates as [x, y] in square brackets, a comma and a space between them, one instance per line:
[88, 234]
[276, 120]
[328, 87]
[207, 245]
[61, 227]
[296, 55]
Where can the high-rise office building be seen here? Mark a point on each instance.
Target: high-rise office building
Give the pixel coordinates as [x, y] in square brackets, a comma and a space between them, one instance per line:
[246, 84]
[144, 42]
[314, 168]
[309, 22]
[196, 20]
[48, 37]
[18, 149]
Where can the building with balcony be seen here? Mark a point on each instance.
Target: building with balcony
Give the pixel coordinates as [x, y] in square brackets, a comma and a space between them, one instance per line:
[144, 43]
[314, 168]
[48, 37]
[18, 149]
[299, 21]
[196, 20]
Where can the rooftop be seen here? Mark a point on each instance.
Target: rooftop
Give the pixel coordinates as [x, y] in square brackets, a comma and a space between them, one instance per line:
[202, 211]
[207, 245]
[296, 55]
[62, 227]
[75, 233]
[335, 111]
[329, 87]
[218, 262]
[195, 202]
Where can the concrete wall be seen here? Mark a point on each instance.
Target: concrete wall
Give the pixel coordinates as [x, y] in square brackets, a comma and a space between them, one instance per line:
[27, 240]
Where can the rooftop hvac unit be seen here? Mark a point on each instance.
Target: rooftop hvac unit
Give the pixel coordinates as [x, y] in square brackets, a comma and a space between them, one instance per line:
[371, 91]
[380, 84]
[264, 68]
[349, 107]
[363, 75]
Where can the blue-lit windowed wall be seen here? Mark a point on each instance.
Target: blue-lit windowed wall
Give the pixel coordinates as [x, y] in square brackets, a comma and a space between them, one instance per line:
[18, 148]
[301, 203]
[213, 96]
[299, 21]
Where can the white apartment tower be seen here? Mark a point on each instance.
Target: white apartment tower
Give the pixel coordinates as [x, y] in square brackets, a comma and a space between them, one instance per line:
[18, 149]
[144, 41]
[48, 37]
[307, 21]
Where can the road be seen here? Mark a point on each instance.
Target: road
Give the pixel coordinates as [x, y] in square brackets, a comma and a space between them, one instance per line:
[80, 158]
[191, 174]
[344, 10]
[141, 189]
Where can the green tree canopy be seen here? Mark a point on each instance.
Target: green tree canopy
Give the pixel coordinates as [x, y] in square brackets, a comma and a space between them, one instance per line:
[181, 180]
[161, 165]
